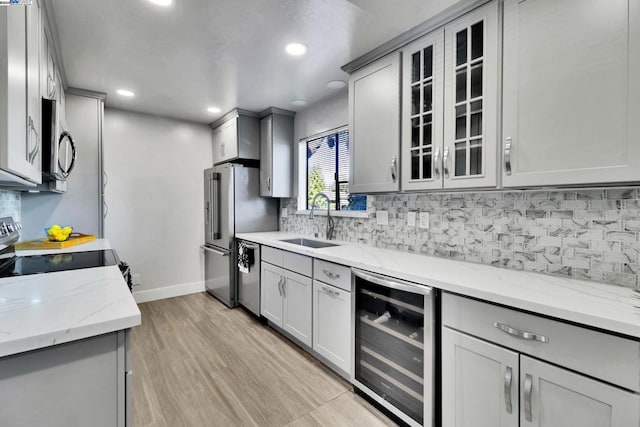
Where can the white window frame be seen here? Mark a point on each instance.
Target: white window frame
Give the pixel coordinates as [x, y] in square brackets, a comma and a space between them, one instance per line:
[302, 181]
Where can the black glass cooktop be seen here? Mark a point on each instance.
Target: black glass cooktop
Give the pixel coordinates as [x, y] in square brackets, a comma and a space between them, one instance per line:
[35, 264]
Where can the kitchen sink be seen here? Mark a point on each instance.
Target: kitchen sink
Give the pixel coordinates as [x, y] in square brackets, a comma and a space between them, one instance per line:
[309, 243]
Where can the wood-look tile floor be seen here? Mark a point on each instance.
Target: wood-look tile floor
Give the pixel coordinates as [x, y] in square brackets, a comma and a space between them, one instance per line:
[198, 363]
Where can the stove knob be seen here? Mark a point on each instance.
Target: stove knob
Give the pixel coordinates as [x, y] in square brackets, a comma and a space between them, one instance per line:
[3, 229]
[18, 226]
[10, 228]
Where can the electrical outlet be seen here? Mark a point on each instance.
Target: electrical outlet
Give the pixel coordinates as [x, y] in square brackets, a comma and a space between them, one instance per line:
[284, 213]
[382, 217]
[424, 219]
[411, 219]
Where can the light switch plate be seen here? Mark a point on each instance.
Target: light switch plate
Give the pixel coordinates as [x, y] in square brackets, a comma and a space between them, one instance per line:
[424, 219]
[411, 219]
[284, 213]
[382, 217]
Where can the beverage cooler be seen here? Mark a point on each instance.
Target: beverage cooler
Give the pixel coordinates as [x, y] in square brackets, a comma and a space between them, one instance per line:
[394, 345]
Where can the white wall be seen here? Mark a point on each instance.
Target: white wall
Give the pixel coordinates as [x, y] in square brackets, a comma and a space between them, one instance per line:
[155, 199]
[322, 116]
[327, 114]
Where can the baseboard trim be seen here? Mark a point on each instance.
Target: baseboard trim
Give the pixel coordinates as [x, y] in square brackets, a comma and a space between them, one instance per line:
[168, 292]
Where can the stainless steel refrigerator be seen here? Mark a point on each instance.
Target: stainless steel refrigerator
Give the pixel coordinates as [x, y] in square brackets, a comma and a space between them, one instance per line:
[232, 204]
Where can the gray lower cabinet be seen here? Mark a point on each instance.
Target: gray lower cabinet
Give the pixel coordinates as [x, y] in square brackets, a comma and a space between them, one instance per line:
[285, 296]
[81, 383]
[480, 382]
[535, 372]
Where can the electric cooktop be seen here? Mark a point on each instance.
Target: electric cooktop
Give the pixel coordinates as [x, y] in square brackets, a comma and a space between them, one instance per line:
[35, 264]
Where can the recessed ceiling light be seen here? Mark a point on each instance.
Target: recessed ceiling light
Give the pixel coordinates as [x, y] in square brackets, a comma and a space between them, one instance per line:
[213, 110]
[162, 2]
[299, 102]
[336, 84]
[296, 49]
[124, 92]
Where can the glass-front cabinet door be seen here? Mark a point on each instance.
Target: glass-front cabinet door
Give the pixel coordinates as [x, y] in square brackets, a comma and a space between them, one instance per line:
[470, 99]
[422, 120]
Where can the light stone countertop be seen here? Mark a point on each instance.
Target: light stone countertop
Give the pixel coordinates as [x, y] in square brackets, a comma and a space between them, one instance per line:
[607, 307]
[41, 310]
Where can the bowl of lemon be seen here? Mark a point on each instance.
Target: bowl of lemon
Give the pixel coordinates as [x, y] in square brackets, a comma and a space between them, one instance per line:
[55, 233]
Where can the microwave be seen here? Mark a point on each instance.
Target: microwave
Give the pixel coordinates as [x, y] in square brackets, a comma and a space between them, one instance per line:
[58, 148]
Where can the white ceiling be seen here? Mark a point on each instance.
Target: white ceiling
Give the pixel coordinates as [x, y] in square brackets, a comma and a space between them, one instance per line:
[198, 53]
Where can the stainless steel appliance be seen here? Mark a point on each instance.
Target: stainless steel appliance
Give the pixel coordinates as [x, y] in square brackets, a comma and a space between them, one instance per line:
[58, 148]
[394, 345]
[249, 276]
[232, 205]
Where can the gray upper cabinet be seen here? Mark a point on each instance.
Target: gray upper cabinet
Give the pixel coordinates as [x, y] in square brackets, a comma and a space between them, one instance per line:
[19, 103]
[374, 126]
[422, 112]
[449, 105]
[236, 137]
[471, 99]
[571, 92]
[276, 153]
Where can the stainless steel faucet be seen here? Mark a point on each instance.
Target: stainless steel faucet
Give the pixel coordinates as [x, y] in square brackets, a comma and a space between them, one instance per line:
[330, 223]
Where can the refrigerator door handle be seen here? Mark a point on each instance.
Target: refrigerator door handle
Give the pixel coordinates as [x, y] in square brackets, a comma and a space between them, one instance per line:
[215, 197]
[215, 251]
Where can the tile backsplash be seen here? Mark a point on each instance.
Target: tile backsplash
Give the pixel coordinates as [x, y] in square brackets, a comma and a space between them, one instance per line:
[588, 234]
[10, 204]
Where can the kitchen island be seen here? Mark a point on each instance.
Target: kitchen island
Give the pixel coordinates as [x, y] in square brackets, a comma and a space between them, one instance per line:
[64, 346]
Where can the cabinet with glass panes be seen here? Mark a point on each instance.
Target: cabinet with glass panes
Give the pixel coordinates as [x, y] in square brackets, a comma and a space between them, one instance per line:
[449, 111]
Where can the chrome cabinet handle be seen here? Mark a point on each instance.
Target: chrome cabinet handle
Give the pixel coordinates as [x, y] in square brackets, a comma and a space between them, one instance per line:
[445, 162]
[331, 274]
[269, 183]
[284, 288]
[280, 285]
[508, 378]
[394, 168]
[330, 291]
[520, 334]
[436, 163]
[528, 387]
[507, 156]
[105, 209]
[36, 150]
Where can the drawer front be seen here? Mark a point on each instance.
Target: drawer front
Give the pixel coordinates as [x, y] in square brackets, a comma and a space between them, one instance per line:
[603, 356]
[298, 263]
[333, 274]
[273, 256]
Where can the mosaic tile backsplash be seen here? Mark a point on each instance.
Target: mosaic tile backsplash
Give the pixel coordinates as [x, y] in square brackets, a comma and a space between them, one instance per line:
[10, 204]
[586, 234]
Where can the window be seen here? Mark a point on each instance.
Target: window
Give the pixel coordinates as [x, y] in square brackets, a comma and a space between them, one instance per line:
[327, 171]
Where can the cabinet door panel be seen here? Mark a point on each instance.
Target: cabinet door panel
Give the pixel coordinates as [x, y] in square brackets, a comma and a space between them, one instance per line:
[332, 324]
[471, 95]
[478, 379]
[374, 126]
[225, 142]
[571, 96]
[557, 397]
[266, 156]
[298, 295]
[422, 107]
[271, 301]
